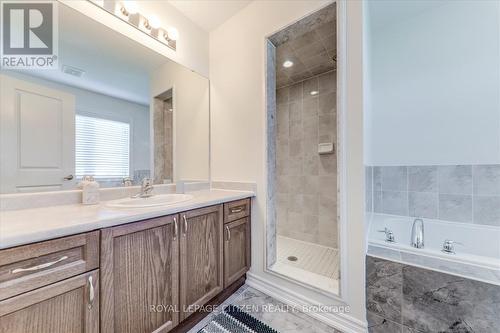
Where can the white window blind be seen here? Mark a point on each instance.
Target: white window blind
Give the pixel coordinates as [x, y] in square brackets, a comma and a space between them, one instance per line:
[102, 147]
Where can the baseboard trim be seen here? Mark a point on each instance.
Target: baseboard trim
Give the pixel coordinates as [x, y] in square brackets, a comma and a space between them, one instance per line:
[340, 321]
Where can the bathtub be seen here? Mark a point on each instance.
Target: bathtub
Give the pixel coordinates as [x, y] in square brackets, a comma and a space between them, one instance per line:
[478, 258]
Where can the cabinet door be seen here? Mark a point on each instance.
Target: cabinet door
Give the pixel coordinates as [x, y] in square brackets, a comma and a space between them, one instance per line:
[140, 276]
[201, 257]
[69, 306]
[236, 250]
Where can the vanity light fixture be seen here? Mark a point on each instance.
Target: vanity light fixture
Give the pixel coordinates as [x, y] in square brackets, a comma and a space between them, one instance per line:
[128, 11]
[314, 92]
[288, 64]
[172, 33]
[129, 7]
[154, 22]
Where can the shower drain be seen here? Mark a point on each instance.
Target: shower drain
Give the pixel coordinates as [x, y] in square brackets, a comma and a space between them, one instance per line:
[292, 258]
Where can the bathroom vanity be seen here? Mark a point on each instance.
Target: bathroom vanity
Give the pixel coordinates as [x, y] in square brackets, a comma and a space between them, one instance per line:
[144, 276]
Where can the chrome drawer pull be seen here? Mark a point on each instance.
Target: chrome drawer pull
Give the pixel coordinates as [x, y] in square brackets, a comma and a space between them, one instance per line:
[228, 233]
[176, 228]
[236, 210]
[37, 267]
[185, 225]
[91, 293]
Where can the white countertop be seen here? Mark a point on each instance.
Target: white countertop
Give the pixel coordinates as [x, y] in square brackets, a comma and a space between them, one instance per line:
[18, 227]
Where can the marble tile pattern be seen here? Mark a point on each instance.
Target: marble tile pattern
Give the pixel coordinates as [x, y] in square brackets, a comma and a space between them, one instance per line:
[271, 154]
[457, 193]
[405, 298]
[306, 182]
[271, 312]
[310, 44]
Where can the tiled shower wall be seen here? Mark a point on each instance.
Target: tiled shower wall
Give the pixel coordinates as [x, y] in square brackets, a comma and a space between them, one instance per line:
[163, 140]
[458, 193]
[306, 189]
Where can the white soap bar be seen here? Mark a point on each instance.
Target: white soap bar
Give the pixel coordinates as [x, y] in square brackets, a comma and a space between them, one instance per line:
[325, 148]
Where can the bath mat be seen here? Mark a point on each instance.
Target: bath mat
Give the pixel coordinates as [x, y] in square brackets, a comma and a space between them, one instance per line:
[233, 320]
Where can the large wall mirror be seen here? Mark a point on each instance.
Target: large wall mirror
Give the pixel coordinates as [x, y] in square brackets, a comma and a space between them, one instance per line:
[114, 109]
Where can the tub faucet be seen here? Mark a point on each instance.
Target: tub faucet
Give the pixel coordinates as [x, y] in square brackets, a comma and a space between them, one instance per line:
[417, 234]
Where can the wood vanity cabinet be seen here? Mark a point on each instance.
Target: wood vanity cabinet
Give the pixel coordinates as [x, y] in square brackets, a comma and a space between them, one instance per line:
[68, 306]
[140, 276]
[201, 249]
[51, 286]
[237, 250]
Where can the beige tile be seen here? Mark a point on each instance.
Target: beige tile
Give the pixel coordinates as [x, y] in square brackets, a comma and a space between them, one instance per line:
[295, 149]
[327, 207]
[296, 184]
[295, 166]
[310, 204]
[310, 107]
[310, 85]
[310, 185]
[327, 103]
[327, 125]
[328, 165]
[296, 89]
[295, 203]
[282, 184]
[310, 127]
[311, 164]
[282, 95]
[327, 82]
[328, 186]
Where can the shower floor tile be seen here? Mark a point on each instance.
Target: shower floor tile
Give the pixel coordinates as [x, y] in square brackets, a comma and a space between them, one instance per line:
[314, 258]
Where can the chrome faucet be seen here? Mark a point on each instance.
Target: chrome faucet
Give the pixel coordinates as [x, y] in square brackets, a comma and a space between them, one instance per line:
[127, 181]
[448, 246]
[146, 188]
[389, 235]
[417, 234]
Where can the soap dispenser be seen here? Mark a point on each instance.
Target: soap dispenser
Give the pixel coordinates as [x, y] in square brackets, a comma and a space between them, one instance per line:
[90, 190]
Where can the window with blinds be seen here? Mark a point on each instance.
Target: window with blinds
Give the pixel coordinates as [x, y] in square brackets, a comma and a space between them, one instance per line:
[102, 147]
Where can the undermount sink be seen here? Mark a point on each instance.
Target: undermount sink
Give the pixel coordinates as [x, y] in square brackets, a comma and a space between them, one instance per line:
[152, 201]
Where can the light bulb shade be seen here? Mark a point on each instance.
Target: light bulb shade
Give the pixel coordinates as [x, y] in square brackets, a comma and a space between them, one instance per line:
[172, 33]
[154, 22]
[130, 6]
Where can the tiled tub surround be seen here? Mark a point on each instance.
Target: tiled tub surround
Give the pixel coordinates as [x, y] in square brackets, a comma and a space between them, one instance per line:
[478, 258]
[457, 193]
[405, 298]
[306, 186]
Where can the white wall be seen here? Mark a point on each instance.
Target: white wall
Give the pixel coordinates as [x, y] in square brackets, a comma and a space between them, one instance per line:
[238, 132]
[191, 145]
[88, 103]
[192, 46]
[434, 80]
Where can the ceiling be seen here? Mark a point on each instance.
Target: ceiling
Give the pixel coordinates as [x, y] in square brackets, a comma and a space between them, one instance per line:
[114, 65]
[209, 14]
[310, 44]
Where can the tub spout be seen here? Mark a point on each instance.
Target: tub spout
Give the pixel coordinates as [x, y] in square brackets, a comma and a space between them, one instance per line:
[417, 234]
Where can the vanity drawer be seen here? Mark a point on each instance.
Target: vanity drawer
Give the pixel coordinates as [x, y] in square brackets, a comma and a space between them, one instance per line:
[236, 210]
[28, 267]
